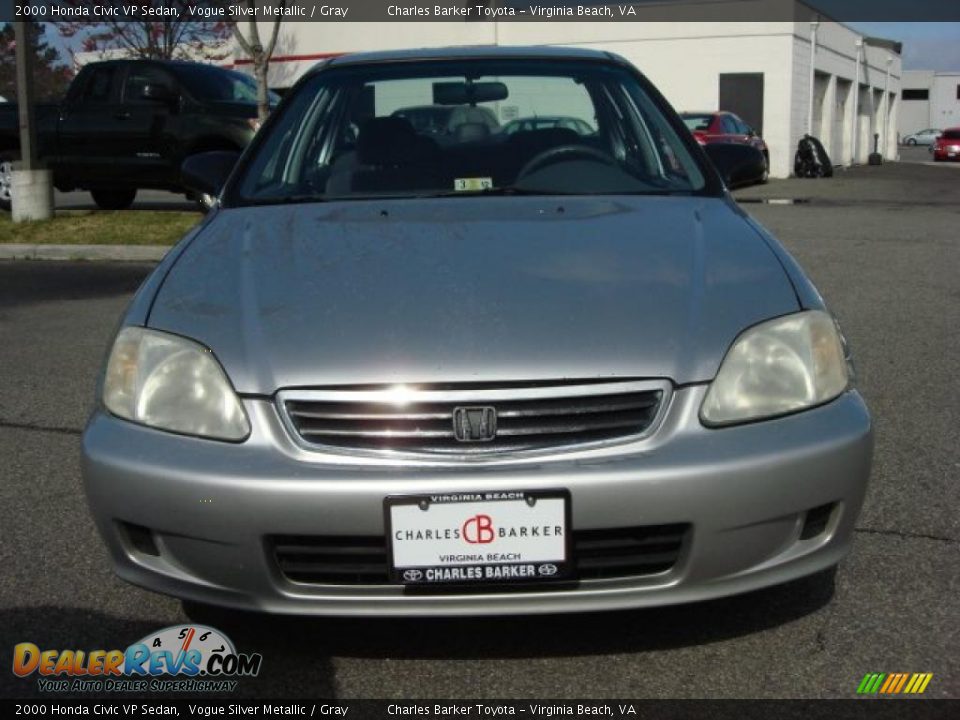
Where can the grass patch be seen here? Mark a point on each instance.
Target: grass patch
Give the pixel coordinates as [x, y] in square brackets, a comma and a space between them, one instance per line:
[100, 227]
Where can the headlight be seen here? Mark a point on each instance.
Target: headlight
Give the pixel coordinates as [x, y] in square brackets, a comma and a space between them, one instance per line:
[171, 383]
[778, 367]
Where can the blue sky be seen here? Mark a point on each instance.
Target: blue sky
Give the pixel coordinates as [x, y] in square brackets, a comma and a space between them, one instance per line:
[926, 45]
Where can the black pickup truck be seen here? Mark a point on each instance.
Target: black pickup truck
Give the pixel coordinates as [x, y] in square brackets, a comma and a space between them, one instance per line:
[129, 124]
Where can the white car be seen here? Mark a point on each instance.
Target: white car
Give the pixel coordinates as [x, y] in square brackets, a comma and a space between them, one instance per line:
[922, 137]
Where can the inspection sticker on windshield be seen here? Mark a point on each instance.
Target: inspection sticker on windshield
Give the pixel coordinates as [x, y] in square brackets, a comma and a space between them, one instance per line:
[472, 184]
[479, 537]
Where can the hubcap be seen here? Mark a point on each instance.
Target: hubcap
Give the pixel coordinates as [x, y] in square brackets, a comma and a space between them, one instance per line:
[6, 180]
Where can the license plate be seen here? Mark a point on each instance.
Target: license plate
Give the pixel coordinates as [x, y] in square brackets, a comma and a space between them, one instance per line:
[479, 537]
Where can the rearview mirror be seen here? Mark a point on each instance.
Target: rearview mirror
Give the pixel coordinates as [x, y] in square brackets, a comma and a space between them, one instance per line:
[737, 164]
[207, 173]
[463, 93]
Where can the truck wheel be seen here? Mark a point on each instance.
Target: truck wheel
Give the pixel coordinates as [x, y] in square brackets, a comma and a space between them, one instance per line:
[6, 181]
[113, 199]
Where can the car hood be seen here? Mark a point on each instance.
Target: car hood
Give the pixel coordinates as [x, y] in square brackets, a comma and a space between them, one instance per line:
[472, 290]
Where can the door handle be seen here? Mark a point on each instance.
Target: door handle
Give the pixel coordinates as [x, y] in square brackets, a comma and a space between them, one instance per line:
[122, 116]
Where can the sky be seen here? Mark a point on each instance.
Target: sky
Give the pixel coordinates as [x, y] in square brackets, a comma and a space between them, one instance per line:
[926, 45]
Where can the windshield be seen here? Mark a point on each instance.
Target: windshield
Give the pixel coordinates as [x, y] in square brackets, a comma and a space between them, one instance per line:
[451, 128]
[215, 84]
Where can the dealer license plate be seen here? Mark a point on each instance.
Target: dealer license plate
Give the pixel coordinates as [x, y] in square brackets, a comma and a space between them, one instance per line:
[479, 537]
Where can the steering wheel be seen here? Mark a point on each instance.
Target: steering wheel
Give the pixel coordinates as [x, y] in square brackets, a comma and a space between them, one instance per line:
[563, 152]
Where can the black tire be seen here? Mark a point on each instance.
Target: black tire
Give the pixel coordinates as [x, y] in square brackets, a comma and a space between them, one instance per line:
[911, 141]
[766, 170]
[114, 199]
[6, 178]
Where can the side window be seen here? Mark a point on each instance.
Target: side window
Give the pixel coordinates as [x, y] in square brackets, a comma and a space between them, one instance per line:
[138, 77]
[99, 86]
[729, 126]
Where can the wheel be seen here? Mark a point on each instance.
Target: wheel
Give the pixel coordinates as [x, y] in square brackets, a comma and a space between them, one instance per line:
[766, 169]
[114, 199]
[6, 180]
[911, 141]
[563, 152]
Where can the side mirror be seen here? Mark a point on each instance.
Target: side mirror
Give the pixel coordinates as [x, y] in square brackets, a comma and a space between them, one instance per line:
[157, 92]
[737, 164]
[206, 173]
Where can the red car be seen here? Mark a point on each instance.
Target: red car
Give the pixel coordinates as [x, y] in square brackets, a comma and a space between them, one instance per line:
[725, 127]
[947, 146]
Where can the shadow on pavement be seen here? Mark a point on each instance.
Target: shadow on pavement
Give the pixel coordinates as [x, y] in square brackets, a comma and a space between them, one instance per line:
[31, 281]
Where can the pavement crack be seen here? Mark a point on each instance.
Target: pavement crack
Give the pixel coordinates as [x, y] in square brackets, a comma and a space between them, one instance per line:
[40, 428]
[907, 535]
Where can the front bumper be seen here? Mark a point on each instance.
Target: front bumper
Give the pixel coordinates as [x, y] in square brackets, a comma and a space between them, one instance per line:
[745, 491]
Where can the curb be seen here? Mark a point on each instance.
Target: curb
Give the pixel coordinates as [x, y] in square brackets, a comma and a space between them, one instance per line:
[111, 253]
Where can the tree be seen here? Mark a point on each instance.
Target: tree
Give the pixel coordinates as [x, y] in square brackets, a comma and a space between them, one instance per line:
[51, 75]
[259, 54]
[180, 37]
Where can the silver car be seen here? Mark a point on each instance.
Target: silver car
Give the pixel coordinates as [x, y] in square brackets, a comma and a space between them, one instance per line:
[522, 373]
[922, 137]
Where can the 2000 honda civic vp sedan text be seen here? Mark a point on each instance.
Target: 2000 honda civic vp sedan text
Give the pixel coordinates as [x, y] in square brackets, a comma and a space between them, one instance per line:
[474, 372]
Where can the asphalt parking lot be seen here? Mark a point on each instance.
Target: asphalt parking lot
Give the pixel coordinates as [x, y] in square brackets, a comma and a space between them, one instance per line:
[883, 246]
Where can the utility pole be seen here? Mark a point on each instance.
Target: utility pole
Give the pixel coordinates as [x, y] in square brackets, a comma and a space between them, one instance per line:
[32, 187]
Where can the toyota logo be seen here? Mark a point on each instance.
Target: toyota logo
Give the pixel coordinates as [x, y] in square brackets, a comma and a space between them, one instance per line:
[547, 569]
[412, 575]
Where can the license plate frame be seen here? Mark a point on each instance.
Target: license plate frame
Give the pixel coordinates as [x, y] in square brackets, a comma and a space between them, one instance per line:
[543, 559]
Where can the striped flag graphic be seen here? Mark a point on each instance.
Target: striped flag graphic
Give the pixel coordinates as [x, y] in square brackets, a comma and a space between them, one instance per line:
[894, 683]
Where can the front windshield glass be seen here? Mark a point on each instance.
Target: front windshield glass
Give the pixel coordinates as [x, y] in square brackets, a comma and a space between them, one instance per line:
[436, 129]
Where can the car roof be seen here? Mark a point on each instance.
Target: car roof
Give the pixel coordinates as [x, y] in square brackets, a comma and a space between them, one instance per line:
[474, 52]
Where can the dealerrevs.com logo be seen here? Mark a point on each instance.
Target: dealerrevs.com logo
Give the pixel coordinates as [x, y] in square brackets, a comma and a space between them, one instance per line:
[180, 658]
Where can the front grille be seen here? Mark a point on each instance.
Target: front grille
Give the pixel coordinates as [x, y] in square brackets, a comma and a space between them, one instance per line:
[421, 420]
[362, 560]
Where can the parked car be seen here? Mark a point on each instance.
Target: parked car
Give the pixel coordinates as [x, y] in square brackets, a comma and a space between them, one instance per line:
[947, 146]
[539, 373]
[548, 121]
[922, 137]
[126, 125]
[726, 127]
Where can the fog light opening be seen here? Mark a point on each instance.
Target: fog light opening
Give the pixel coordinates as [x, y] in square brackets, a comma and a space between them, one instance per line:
[816, 521]
[141, 539]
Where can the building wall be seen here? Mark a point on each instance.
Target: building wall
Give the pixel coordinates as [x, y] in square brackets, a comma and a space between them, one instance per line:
[940, 110]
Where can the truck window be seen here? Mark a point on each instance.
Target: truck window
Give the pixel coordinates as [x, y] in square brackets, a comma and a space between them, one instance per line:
[140, 76]
[97, 90]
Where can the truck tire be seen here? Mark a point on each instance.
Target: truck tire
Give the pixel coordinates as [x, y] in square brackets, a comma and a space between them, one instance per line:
[6, 179]
[113, 199]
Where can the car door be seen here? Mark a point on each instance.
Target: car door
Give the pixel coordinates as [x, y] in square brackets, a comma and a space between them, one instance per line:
[145, 139]
[88, 125]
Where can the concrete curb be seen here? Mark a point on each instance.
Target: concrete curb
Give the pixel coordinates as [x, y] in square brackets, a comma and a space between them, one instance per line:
[99, 253]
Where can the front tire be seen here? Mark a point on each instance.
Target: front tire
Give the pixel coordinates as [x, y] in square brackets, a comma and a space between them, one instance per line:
[766, 169]
[113, 199]
[911, 141]
[6, 180]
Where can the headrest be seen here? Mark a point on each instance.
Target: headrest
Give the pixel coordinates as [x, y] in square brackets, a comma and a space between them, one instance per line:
[472, 132]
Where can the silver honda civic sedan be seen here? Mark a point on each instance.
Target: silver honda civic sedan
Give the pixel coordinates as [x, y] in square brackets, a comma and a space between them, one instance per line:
[447, 370]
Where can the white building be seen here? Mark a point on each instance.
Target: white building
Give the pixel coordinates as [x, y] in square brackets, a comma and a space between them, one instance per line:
[930, 100]
[759, 70]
